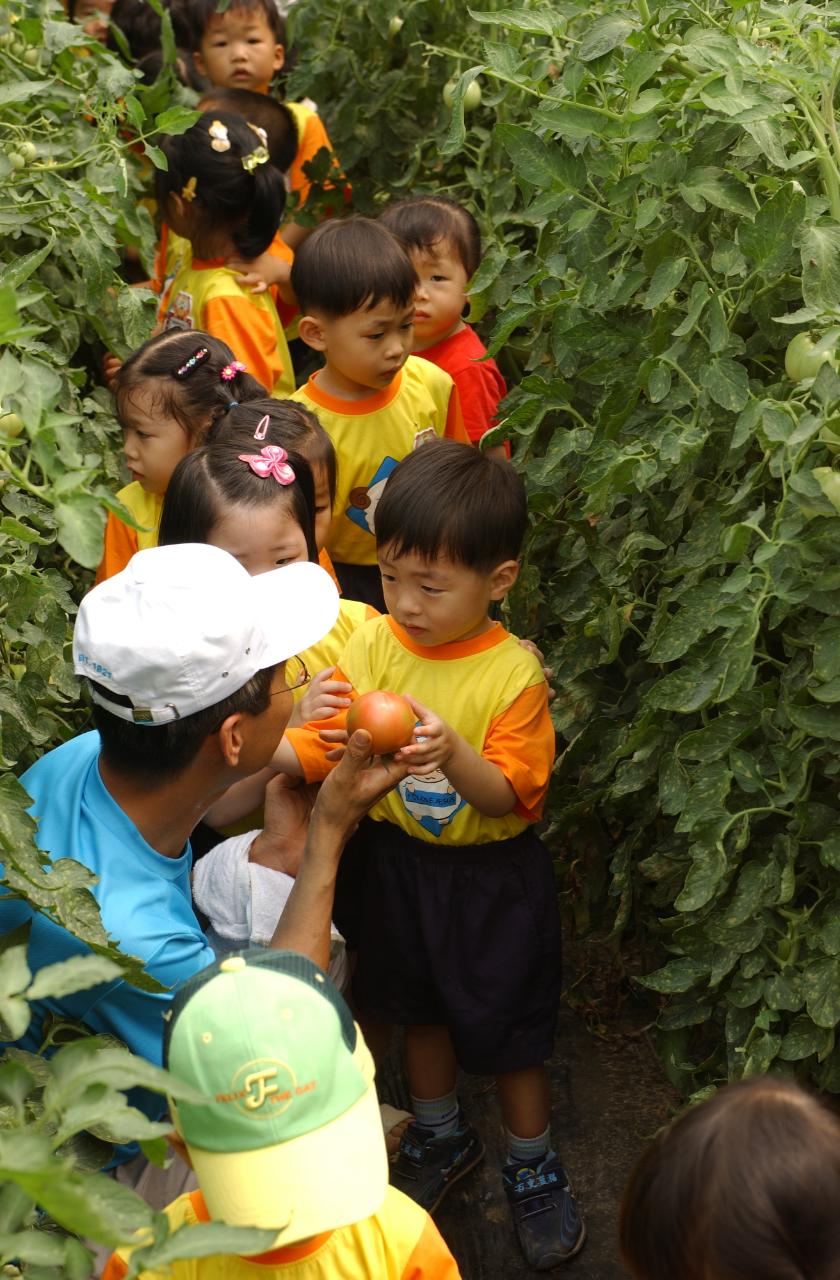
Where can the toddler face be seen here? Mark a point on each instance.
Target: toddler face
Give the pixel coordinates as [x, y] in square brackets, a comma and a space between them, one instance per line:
[261, 538]
[365, 350]
[152, 444]
[441, 293]
[436, 602]
[238, 50]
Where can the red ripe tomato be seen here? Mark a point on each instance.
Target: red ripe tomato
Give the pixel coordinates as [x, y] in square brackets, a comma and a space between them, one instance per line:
[388, 718]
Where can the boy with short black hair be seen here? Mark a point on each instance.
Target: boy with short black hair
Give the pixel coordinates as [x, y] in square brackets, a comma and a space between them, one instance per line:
[460, 937]
[355, 285]
[288, 1136]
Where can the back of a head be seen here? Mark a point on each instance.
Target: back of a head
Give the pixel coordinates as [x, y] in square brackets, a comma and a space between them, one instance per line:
[745, 1186]
[222, 168]
[260, 1028]
[139, 26]
[266, 113]
[349, 264]
[449, 499]
[193, 378]
[424, 222]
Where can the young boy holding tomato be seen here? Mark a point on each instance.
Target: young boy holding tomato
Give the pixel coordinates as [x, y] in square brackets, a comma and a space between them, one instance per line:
[460, 938]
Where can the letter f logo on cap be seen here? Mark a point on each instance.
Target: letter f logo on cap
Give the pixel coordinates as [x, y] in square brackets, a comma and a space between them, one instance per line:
[258, 1088]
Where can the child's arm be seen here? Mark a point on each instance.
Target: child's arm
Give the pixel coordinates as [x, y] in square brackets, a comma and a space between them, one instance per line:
[513, 769]
[481, 782]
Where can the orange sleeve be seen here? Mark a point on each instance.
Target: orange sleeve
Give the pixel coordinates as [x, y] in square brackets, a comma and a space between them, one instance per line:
[249, 332]
[455, 429]
[325, 562]
[309, 746]
[521, 743]
[120, 545]
[115, 1268]
[430, 1259]
[370, 612]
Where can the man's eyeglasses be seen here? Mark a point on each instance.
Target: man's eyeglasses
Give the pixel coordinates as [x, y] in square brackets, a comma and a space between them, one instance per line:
[296, 677]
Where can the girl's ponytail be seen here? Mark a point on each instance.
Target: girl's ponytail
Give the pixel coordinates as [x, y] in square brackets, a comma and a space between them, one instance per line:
[221, 168]
[263, 212]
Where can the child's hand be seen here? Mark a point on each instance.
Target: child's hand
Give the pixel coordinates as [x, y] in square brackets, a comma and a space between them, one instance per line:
[324, 697]
[548, 672]
[258, 274]
[434, 742]
[110, 366]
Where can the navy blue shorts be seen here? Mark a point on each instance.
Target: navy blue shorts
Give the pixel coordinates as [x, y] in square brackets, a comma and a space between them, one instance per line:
[464, 937]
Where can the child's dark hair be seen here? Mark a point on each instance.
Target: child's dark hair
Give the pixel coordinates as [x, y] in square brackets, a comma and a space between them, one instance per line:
[152, 64]
[214, 477]
[182, 370]
[265, 112]
[295, 428]
[352, 263]
[446, 498]
[422, 222]
[745, 1186]
[139, 26]
[234, 188]
[200, 14]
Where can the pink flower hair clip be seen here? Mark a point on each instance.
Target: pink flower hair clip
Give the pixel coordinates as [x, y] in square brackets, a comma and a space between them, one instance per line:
[231, 370]
[270, 461]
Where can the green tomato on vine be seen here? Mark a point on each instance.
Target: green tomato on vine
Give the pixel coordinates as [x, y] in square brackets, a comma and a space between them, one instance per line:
[472, 94]
[807, 352]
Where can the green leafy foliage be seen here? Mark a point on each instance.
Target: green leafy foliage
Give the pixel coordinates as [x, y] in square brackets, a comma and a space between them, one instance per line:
[659, 195]
[59, 1117]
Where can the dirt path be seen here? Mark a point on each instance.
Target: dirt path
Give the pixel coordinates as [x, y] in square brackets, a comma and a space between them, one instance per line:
[608, 1098]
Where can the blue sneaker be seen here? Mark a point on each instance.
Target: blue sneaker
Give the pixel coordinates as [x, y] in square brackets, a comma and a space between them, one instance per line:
[548, 1224]
[426, 1166]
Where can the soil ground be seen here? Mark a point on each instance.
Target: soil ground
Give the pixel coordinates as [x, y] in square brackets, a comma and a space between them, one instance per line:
[609, 1096]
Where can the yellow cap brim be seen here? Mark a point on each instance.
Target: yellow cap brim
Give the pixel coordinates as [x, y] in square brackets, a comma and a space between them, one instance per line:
[328, 1178]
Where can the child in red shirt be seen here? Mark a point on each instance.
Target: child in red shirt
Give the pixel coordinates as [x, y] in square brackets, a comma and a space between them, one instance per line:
[444, 243]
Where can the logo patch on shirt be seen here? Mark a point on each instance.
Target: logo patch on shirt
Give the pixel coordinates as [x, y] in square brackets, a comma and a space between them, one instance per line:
[363, 501]
[431, 800]
[179, 314]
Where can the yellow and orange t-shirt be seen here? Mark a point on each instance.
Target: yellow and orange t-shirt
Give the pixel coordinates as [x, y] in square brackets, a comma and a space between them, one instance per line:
[489, 689]
[121, 541]
[371, 436]
[206, 294]
[398, 1242]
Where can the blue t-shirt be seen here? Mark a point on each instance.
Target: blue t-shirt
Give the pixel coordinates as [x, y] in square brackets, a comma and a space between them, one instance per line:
[144, 898]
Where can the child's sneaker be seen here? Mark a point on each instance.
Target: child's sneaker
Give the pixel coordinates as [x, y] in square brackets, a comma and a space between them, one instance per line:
[426, 1166]
[548, 1225]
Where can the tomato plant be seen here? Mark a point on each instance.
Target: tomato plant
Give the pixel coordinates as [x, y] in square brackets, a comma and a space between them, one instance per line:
[658, 186]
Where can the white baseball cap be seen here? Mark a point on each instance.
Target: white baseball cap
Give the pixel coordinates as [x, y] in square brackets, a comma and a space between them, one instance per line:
[183, 627]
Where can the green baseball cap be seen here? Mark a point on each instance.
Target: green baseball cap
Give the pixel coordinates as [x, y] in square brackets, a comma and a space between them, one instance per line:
[290, 1137]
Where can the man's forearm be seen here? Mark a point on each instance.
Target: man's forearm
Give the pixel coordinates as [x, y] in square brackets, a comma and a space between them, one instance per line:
[305, 923]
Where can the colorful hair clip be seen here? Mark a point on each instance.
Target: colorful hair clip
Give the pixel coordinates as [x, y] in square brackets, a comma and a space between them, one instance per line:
[262, 427]
[189, 189]
[270, 461]
[219, 135]
[197, 357]
[255, 158]
[260, 132]
[231, 370]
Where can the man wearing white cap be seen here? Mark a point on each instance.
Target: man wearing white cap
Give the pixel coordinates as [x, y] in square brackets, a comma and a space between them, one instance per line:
[186, 658]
